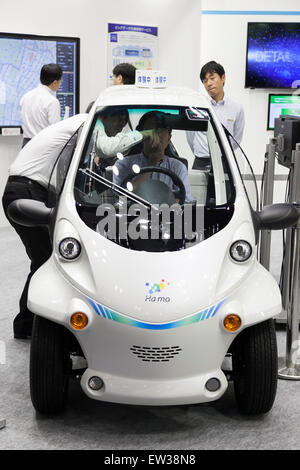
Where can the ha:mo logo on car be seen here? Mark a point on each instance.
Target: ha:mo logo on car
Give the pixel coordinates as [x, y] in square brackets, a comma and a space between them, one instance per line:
[153, 298]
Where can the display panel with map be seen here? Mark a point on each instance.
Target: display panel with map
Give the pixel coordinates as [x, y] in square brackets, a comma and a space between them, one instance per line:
[21, 59]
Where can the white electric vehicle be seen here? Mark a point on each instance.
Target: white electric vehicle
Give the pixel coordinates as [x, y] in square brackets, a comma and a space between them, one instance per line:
[153, 294]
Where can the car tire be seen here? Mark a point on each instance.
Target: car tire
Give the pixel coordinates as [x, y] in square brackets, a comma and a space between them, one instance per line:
[255, 368]
[49, 366]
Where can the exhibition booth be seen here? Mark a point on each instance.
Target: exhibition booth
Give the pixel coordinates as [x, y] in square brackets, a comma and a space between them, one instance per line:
[167, 316]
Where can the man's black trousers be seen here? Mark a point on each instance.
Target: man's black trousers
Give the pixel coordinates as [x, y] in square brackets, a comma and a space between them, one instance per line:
[35, 239]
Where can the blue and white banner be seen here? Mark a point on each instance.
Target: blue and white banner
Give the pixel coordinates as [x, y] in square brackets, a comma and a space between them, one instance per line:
[114, 28]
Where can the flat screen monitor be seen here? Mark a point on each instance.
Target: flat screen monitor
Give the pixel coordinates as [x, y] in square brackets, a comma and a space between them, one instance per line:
[281, 105]
[21, 59]
[287, 131]
[273, 59]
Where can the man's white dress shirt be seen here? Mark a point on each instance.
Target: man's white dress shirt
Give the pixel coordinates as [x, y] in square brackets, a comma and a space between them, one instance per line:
[121, 142]
[36, 159]
[231, 115]
[39, 109]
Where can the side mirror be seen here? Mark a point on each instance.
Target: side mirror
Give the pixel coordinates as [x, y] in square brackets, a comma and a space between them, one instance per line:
[30, 213]
[276, 217]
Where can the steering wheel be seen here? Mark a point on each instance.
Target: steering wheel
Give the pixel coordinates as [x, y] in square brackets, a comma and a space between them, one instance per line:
[180, 194]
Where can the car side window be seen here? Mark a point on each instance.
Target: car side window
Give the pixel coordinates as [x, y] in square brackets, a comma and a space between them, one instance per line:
[246, 172]
[60, 169]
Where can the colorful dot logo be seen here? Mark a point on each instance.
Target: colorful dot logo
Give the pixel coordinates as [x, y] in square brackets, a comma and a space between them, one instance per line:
[154, 287]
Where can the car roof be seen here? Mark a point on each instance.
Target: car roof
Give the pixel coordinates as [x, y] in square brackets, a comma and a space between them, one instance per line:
[134, 95]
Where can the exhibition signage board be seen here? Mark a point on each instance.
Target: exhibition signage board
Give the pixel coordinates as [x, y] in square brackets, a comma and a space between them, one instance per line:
[134, 44]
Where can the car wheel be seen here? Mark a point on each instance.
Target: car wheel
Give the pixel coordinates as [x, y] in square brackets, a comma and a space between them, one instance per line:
[255, 368]
[49, 366]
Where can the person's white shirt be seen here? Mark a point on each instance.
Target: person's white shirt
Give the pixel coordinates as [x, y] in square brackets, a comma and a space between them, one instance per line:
[231, 115]
[39, 109]
[121, 142]
[36, 160]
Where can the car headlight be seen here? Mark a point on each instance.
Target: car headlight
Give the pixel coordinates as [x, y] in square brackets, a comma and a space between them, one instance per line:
[240, 251]
[69, 248]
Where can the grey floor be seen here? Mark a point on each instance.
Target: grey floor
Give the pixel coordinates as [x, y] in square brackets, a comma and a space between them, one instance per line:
[89, 424]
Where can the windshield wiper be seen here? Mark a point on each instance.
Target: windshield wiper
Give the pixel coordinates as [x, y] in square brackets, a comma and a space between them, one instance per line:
[118, 189]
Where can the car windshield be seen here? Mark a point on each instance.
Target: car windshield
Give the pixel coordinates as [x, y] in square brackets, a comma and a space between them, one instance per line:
[154, 178]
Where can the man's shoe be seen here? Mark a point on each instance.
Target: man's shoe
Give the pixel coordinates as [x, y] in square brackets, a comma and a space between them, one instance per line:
[22, 335]
[22, 331]
[22, 327]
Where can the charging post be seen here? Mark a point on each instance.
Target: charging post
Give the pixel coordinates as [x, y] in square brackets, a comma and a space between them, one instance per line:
[265, 236]
[289, 365]
[286, 146]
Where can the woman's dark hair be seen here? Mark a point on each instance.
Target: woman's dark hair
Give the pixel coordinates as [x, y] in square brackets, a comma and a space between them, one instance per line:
[211, 67]
[127, 71]
[49, 73]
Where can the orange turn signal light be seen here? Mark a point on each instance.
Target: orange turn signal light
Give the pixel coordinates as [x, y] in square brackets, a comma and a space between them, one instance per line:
[232, 322]
[79, 320]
